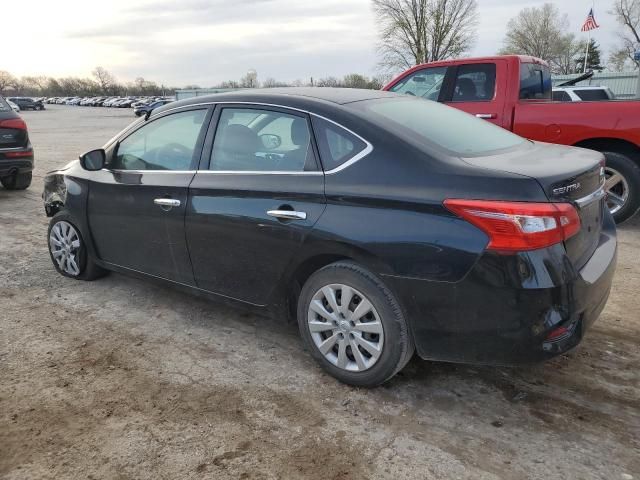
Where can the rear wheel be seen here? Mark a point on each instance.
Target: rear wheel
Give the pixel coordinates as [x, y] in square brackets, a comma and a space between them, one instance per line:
[353, 325]
[68, 251]
[622, 184]
[17, 181]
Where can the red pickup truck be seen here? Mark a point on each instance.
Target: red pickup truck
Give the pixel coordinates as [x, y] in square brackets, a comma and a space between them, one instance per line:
[514, 92]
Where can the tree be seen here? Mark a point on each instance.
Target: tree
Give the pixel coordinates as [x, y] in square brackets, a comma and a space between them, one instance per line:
[593, 57]
[6, 80]
[567, 55]
[104, 79]
[328, 82]
[250, 80]
[419, 31]
[537, 32]
[355, 80]
[627, 13]
[273, 83]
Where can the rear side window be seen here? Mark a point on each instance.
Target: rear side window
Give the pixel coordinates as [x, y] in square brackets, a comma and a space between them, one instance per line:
[438, 126]
[337, 146]
[425, 83]
[561, 96]
[535, 82]
[4, 106]
[475, 83]
[592, 94]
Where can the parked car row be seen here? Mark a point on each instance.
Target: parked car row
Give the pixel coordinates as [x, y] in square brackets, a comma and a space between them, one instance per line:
[117, 102]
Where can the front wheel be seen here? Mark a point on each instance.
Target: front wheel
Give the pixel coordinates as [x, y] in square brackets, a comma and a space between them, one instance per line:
[68, 251]
[622, 184]
[353, 325]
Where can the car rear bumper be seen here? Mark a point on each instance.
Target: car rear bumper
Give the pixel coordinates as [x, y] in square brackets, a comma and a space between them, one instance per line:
[511, 309]
[11, 165]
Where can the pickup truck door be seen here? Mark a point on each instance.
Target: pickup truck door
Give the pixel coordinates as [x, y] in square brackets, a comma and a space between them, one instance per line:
[479, 88]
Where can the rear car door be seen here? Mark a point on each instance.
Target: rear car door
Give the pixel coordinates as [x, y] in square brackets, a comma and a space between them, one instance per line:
[137, 204]
[254, 200]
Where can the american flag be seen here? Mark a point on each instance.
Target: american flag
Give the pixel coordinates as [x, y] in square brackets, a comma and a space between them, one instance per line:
[590, 23]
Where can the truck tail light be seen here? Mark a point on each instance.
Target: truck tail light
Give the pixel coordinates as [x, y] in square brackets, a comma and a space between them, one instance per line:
[16, 123]
[518, 226]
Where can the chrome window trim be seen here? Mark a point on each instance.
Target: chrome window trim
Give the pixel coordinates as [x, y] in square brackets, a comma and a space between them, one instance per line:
[120, 170]
[359, 156]
[592, 197]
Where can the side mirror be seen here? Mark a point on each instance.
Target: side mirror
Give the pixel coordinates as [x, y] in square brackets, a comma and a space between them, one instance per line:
[93, 160]
[270, 141]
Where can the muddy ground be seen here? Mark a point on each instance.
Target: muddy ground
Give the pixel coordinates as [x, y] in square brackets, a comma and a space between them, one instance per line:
[123, 379]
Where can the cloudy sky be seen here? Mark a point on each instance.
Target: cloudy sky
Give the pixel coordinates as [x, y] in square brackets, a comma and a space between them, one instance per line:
[203, 42]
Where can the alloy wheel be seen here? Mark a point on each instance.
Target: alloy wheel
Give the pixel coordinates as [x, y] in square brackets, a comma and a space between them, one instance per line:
[617, 189]
[64, 243]
[345, 327]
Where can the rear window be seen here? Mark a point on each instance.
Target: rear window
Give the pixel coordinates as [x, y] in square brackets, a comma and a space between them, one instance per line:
[437, 125]
[535, 82]
[592, 94]
[4, 106]
[337, 146]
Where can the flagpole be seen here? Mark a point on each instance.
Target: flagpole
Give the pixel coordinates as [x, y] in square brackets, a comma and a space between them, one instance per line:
[586, 53]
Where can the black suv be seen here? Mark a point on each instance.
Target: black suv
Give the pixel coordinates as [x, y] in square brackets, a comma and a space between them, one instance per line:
[16, 154]
[27, 103]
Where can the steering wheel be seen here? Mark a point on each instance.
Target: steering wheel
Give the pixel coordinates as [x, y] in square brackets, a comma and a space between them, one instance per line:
[174, 151]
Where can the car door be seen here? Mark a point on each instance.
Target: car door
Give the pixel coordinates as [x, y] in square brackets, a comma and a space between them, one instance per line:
[136, 205]
[254, 201]
[474, 89]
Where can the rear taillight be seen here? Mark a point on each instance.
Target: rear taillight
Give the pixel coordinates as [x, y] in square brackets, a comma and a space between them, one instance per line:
[16, 123]
[518, 226]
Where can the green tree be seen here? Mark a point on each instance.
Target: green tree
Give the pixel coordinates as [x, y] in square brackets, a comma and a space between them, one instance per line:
[593, 58]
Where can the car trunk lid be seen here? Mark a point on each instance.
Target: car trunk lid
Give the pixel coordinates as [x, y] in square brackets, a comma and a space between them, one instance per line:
[570, 175]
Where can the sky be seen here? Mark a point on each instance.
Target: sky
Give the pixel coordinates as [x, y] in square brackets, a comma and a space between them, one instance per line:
[204, 42]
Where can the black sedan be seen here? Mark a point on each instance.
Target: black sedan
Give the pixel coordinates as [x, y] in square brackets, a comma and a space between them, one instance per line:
[16, 154]
[384, 224]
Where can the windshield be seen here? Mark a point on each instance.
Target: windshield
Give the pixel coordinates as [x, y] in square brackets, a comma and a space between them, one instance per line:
[434, 124]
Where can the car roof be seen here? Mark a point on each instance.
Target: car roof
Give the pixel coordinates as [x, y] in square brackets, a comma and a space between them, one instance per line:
[296, 96]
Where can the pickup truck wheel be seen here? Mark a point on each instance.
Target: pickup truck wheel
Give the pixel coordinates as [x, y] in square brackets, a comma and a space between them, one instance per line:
[68, 251]
[18, 181]
[623, 185]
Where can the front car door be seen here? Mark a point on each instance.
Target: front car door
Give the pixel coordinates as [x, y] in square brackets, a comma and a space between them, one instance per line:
[254, 201]
[137, 204]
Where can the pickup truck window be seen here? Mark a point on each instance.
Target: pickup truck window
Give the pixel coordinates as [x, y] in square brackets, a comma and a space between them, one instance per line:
[561, 96]
[475, 82]
[425, 83]
[437, 125]
[535, 82]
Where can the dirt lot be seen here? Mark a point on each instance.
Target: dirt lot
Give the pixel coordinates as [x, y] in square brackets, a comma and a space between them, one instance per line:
[120, 378]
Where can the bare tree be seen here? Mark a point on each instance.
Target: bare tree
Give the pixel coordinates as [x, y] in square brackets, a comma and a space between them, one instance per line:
[420, 31]
[568, 54]
[328, 82]
[6, 80]
[537, 32]
[104, 79]
[628, 14]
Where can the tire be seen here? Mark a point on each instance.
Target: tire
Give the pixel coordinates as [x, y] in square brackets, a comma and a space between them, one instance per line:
[18, 181]
[86, 268]
[394, 343]
[629, 170]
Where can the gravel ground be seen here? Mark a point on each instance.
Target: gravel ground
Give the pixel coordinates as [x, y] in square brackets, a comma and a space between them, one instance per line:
[121, 378]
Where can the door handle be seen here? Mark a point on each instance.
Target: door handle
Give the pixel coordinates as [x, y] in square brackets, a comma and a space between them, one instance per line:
[167, 202]
[486, 115]
[287, 214]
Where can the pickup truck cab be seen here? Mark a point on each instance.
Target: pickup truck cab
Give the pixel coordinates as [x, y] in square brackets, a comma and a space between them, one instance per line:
[514, 92]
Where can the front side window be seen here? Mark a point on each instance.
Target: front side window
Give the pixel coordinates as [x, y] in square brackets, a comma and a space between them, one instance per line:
[436, 125]
[535, 82]
[262, 140]
[167, 143]
[425, 83]
[475, 82]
